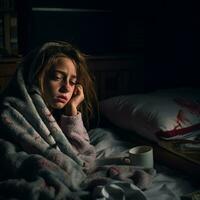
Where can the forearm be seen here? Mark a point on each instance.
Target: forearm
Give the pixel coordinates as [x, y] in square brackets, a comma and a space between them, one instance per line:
[73, 126]
[75, 131]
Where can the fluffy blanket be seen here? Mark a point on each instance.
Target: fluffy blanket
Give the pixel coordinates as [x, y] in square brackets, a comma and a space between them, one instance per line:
[32, 167]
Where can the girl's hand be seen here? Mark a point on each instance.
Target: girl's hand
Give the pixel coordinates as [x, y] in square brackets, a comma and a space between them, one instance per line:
[75, 101]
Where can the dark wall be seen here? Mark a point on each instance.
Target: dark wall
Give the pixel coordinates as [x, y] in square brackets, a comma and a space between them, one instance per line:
[164, 34]
[171, 44]
[163, 28]
[103, 28]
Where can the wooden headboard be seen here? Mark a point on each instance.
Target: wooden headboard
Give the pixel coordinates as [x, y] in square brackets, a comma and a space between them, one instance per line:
[128, 75]
[117, 75]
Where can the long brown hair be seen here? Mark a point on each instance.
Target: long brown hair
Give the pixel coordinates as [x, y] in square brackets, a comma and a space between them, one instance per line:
[48, 56]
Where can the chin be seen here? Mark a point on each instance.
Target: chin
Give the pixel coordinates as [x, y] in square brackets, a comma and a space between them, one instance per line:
[58, 106]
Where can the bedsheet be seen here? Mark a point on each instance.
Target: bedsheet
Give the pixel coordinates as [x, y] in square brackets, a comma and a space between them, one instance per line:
[167, 184]
[45, 180]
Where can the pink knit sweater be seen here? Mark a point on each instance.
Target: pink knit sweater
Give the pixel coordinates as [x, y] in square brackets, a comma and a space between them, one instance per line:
[73, 128]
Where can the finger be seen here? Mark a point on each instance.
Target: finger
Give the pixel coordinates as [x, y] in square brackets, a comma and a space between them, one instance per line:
[80, 89]
[79, 86]
[77, 89]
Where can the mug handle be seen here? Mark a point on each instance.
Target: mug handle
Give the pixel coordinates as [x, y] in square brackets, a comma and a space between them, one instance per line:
[114, 161]
[127, 160]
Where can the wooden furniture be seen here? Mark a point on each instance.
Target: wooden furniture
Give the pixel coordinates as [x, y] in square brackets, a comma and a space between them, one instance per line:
[116, 75]
[7, 69]
[8, 28]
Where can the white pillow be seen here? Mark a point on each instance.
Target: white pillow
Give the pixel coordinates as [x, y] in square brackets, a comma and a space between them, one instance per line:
[166, 114]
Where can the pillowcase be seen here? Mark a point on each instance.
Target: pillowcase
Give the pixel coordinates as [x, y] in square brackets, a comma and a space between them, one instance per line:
[167, 114]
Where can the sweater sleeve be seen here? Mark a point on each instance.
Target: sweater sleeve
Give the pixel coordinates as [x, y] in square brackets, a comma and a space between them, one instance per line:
[74, 130]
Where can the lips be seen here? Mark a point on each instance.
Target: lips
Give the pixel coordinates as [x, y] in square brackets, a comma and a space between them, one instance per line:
[61, 98]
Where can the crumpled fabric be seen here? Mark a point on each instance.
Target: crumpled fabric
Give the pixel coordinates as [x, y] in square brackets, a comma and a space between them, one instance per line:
[118, 190]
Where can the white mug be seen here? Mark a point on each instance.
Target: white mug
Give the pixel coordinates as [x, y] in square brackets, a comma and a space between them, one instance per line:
[141, 156]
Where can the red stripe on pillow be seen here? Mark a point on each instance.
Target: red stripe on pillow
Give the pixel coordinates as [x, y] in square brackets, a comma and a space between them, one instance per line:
[178, 132]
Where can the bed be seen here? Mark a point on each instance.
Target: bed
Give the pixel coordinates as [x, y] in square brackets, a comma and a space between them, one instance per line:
[164, 115]
[119, 80]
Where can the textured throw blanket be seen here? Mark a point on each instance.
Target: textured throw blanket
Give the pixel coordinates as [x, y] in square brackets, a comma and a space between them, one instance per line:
[39, 162]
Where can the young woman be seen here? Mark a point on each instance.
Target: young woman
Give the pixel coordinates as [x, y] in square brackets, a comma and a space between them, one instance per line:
[44, 145]
[45, 102]
[67, 88]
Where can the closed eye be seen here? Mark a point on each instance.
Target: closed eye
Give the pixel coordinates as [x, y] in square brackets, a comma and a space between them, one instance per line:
[73, 82]
[57, 76]
[62, 77]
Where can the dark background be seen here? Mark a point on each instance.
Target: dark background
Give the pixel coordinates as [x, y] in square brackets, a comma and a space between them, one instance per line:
[163, 35]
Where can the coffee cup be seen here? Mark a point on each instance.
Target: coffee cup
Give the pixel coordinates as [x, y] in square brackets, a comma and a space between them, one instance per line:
[141, 156]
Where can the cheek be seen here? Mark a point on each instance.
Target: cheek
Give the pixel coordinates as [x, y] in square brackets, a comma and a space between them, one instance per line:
[71, 93]
[51, 88]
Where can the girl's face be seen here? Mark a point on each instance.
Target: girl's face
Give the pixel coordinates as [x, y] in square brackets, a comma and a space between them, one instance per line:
[60, 83]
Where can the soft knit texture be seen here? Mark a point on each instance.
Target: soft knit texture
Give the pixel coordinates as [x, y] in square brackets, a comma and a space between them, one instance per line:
[73, 128]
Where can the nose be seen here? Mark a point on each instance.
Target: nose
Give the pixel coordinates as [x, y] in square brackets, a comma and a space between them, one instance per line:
[65, 87]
